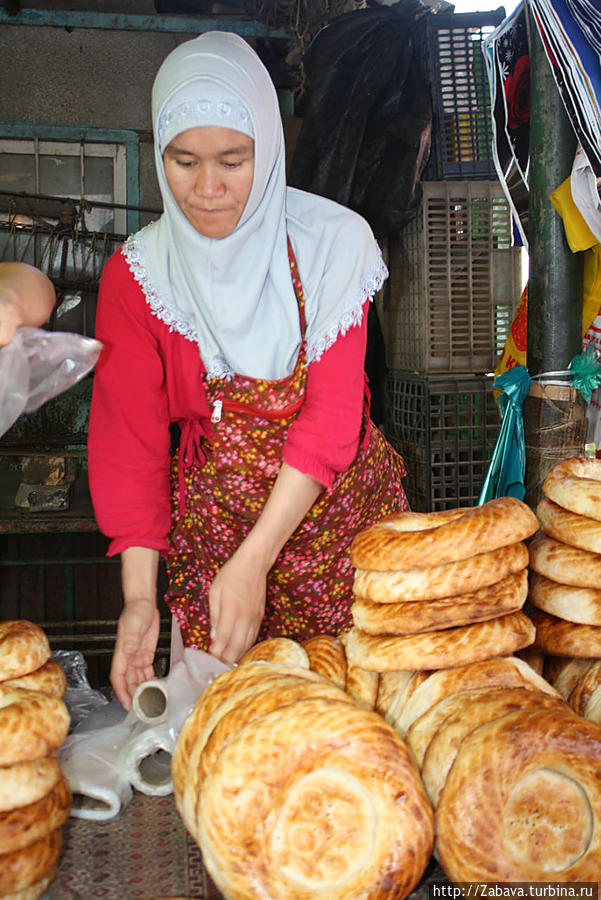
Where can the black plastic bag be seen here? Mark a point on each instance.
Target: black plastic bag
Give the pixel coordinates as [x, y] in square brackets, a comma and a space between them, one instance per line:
[365, 137]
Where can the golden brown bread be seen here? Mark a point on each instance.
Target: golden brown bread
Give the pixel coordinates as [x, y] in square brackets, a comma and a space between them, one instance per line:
[459, 715]
[49, 679]
[561, 638]
[508, 595]
[568, 527]
[439, 581]
[534, 658]
[24, 647]
[575, 484]
[34, 891]
[563, 563]
[26, 867]
[240, 707]
[564, 671]
[27, 782]
[277, 650]
[361, 684]
[522, 801]
[390, 684]
[502, 671]
[574, 604]
[440, 649]
[32, 724]
[324, 800]
[423, 729]
[22, 826]
[327, 657]
[586, 686]
[414, 540]
[225, 684]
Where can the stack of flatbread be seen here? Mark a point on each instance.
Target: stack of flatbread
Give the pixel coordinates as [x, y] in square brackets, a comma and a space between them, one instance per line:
[291, 787]
[565, 558]
[578, 680]
[437, 590]
[35, 799]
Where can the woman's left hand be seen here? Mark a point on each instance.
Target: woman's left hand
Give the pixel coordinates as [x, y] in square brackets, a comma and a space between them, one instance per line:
[237, 606]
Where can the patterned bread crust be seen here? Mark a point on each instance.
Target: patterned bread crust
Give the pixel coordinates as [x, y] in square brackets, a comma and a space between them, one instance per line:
[561, 638]
[34, 891]
[502, 671]
[568, 527]
[22, 826]
[20, 869]
[412, 540]
[574, 604]
[585, 687]
[575, 484]
[24, 647]
[27, 782]
[327, 657]
[446, 580]
[522, 801]
[239, 708]
[563, 563]
[32, 724]
[390, 684]
[534, 658]
[225, 684]
[362, 684]
[563, 672]
[464, 713]
[441, 649]
[277, 650]
[311, 792]
[508, 595]
[49, 679]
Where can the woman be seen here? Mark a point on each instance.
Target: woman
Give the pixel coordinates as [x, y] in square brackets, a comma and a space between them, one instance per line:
[26, 298]
[240, 315]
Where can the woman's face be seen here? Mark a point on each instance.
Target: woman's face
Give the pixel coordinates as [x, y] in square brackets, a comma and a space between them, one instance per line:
[210, 173]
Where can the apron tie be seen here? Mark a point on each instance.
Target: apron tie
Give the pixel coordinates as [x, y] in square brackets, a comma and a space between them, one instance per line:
[191, 452]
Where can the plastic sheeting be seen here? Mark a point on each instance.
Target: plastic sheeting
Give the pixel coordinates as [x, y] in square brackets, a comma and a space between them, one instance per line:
[366, 130]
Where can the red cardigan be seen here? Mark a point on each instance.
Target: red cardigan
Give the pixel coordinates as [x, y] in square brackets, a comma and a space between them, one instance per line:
[148, 376]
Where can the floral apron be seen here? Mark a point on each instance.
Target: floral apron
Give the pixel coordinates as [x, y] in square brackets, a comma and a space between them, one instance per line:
[216, 502]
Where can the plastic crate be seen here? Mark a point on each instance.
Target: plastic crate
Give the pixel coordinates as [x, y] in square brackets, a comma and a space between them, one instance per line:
[445, 429]
[455, 281]
[450, 49]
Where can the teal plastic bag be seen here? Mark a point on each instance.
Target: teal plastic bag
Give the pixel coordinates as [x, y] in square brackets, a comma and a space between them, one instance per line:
[505, 475]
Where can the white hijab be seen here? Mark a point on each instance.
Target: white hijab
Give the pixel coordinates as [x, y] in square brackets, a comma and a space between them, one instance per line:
[233, 296]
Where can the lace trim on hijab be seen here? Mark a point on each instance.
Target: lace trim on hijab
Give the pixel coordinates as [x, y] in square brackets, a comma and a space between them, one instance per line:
[134, 256]
[371, 283]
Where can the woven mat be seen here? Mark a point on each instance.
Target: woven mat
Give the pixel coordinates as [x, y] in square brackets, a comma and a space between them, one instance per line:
[143, 854]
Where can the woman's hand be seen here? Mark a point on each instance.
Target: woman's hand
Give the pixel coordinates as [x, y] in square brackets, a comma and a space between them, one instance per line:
[237, 605]
[133, 656]
[237, 595]
[138, 627]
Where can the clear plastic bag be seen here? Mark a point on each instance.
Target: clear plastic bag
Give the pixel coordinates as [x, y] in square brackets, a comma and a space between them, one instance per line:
[38, 365]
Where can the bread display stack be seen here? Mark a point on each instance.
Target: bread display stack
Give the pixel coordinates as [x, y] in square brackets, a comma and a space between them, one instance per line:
[565, 558]
[35, 799]
[437, 590]
[508, 766]
[291, 788]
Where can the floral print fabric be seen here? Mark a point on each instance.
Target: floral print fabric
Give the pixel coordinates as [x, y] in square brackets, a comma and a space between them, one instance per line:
[309, 589]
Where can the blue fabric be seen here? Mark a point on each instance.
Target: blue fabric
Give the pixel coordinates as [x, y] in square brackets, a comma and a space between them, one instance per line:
[505, 475]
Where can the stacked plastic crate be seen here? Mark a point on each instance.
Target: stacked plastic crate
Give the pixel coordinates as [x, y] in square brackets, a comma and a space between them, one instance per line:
[454, 282]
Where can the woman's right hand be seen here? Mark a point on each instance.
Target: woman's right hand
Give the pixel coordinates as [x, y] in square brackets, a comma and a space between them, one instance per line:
[133, 656]
[139, 623]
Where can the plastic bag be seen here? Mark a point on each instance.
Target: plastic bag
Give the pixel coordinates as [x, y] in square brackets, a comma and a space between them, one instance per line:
[81, 699]
[111, 750]
[38, 365]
